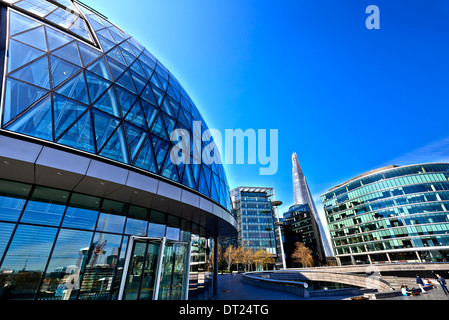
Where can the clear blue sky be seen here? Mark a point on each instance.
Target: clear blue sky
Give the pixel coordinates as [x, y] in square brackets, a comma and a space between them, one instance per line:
[345, 98]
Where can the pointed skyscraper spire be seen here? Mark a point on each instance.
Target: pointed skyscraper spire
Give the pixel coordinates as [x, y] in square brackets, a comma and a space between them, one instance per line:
[303, 196]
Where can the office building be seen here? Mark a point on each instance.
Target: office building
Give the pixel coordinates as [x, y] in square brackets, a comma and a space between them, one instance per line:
[91, 204]
[392, 214]
[256, 219]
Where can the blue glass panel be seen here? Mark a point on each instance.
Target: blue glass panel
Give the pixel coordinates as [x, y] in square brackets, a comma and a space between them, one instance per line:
[18, 97]
[159, 129]
[80, 28]
[118, 36]
[105, 33]
[36, 73]
[69, 52]
[19, 23]
[137, 51]
[13, 196]
[160, 148]
[182, 118]
[136, 137]
[136, 67]
[97, 86]
[136, 116]
[61, 70]
[163, 82]
[139, 82]
[88, 54]
[187, 178]
[106, 44]
[20, 54]
[202, 185]
[169, 170]
[75, 89]
[36, 122]
[146, 68]
[125, 46]
[62, 18]
[213, 192]
[166, 107]
[155, 81]
[159, 95]
[129, 58]
[169, 124]
[108, 103]
[95, 21]
[150, 112]
[82, 212]
[117, 55]
[66, 112]
[56, 39]
[104, 127]
[126, 99]
[175, 107]
[39, 8]
[34, 37]
[126, 82]
[80, 135]
[145, 160]
[100, 68]
[115, 148]
[46, 206]
[148, 95]
[116, 68]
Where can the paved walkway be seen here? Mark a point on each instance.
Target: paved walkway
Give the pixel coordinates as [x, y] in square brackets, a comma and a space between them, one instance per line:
[231, 287]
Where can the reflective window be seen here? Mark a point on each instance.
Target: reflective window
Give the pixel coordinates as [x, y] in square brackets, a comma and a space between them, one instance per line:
[112, 217]
[46, 206]
[67, 264]
[12, 199]
[26, 259]
[137, 222]
[157, 225]
[6, 230]
[101, 266]
[82, 212]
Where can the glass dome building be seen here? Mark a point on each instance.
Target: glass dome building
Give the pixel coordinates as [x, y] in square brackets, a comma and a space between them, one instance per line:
[91, 205]
[392, 214]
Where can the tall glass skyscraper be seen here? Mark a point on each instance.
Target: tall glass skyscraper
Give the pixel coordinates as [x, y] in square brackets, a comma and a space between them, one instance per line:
[392, 214]
[91, 204]
[302, 196]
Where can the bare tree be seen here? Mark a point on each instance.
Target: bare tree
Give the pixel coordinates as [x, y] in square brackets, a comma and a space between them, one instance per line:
[302, 255]
[229, 256]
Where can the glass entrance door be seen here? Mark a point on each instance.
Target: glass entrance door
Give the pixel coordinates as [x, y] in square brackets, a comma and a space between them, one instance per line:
[150, 275]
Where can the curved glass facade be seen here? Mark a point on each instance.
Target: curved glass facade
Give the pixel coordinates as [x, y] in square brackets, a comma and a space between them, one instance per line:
[91, 205]
[75, 79]
[61, 245]
[396, 214]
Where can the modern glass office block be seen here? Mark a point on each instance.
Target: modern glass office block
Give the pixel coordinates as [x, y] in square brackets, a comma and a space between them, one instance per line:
[392, 214]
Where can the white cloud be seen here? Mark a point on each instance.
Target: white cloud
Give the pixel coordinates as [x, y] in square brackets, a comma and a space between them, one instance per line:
[435, 151]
